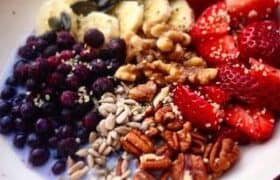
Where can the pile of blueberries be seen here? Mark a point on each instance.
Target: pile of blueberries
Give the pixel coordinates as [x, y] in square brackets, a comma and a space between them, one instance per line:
[41, 106]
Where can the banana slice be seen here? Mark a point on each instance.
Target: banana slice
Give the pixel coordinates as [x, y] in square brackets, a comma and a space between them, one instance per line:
[109, 25]
[156, 11]
[130, 15]
[53, 8]
[182, 15]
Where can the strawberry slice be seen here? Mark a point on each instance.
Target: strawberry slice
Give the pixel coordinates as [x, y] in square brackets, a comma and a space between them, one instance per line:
[251, 10]
[199, 5]
[219, 51]
[257, 124]
[196, 108]
[213, 22]
[261, 40]
[215, 93]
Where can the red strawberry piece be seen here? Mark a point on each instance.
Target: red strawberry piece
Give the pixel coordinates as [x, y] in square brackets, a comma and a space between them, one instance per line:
[215, 93]
[257, 124]
[233, 133]
[213, 22]
[196, 108]
[261, 40]
[219, 51]
[238, 81]
[251, 10]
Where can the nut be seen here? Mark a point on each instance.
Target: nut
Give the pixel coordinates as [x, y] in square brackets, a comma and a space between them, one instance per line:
[198, 143]
[154, 162]
[165, 44]
[137, 143]
[159, 29]
[143, 92]
[164, 92]
[195, 62]
[178, 54]
[128, 72]
[164, 150]
[143, 175]
[164, 115]
[152, 132]
[222, 155]
[171, 138]
[201, 75]
[174, 125]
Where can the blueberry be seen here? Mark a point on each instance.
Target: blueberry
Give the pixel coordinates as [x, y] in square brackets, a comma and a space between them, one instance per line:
[50, 50]
[49, 108]
[98, 67]
[28, 110]
[91, 120]
[67, 146]
[88, 54]
[102, 85]
[66, 131]
[65, 40]
[112, 66]
[11, 80]
[39, 156]
[78, 47]
[53, 141]
[5, 108]
[63, 68]
[33, 140]
[68, 98]
[27, 51]
[43, 126]
[6, 125]
[118, 47]
[73, 82]
[19, 140]
[55, 79]
[81, 109]
[21, 72]
[59, 167]
[82, 134]
[20, 124]
[106, 53]
[31, 85]
[38, 69]
[82, 72]
[18, 99]
[8, 92]
[49, 37]
[94, 38]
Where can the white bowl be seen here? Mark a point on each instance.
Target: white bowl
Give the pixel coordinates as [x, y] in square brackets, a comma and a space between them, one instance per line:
[257, 162]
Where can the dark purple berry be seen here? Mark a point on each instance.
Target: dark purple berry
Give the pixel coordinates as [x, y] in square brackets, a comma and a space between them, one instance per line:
[59, 167]
[82, 72]
[68, 98]
[102, 85]
[49, 37]
[66, 131]
[55, 79]
[18, 99]
[98, 67]
[63, 68]
[73, 82]
[38, 69]
[112, 66]
[21, 72]
[82, 134]
[67, 115]
[19, 140]
[5, 108]
[11, 81]
[88, 54]
[67, 146]
[53, 141]
[78, 47]
[106, 53]
[43, 126]
[28, 110]
[31, 85]
[33, 140]
[8, 92]
[20, 124]
[28, 51]
[94, 38]
[65, 40]
[91, 120]
[6, 125]
[118, 47]
[39, 156]
[50, 50]
[49, 108]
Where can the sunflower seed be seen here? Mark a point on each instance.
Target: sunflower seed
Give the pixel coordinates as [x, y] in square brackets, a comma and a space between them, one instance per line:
[122, 117]
[79, 173]
[82, 152]
[107, 151]
[110, 122]
[92, 137]
[122, 130]
[134, 125]
[78, 165]
[93, 152]
[102, 147]
[90, 161]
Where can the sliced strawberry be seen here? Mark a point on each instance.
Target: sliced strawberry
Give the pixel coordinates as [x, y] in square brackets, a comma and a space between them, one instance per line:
[215, 93]
[213, 22]
[233, 133]
[257, 124]
[219, 51]
[261, 40]
[251, 10]
[196, 109]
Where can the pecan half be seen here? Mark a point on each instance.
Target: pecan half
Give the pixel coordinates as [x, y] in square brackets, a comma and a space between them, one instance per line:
[198, 143]
[221, 155]
[164, 150]
[164, 115]
[165, 175]
[171, 138]
[143, 175]
[154, 162]
[185, 139]
[152, 132]
[135, 142]
[175, 125]
[188, 167]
